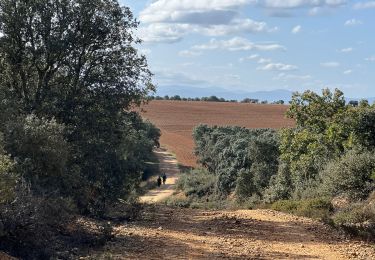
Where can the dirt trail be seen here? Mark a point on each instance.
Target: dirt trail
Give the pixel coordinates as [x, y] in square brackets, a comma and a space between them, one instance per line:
[168, 233]
[176, 233]
[168, 165]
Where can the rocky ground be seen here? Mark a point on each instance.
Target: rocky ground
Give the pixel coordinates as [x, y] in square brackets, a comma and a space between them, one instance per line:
[168, 233]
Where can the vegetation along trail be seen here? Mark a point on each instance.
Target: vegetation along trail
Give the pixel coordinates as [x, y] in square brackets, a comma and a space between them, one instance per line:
[179, 233]
[168, 165]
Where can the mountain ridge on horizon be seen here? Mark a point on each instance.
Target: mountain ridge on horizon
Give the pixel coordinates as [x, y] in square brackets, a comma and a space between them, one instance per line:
[269, 95]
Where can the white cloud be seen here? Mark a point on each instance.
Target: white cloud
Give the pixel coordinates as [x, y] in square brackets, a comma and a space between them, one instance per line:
[238, 44]
[353, 22]
[191, 11]
[289, 4]
[263, 61]
[297, 29]
[251, 57]
[188, 64]
[169, 77]
[170, 33]
[315, 11]
[236, 26]
[189, 53]
[372, 58]
[346, 50]
[278, 67]
[347, 72]
[331, 64]
[173, 19]
[285, 77]
[155, 33]
[364, 5]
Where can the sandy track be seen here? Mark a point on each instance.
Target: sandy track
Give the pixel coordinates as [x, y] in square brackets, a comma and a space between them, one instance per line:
[175, 233]
[168, 165]
[167, 233]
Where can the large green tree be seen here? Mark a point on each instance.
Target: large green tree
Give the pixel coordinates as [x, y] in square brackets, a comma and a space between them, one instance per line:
[76, 62]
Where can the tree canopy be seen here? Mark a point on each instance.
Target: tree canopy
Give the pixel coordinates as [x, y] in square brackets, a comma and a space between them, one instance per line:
[70, 73]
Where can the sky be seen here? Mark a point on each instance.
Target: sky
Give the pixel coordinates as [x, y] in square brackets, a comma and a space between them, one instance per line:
[260, 45]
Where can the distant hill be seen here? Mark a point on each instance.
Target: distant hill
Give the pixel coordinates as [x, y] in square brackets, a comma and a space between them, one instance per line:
[186, 91]
[273, 95]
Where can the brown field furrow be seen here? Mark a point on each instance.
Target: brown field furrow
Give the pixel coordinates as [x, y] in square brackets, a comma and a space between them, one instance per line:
[177, 119]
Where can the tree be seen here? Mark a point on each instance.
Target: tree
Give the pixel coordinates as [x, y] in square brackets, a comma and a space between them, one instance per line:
[242, 159]
[55, 51]
[75, 61]
[314, 111]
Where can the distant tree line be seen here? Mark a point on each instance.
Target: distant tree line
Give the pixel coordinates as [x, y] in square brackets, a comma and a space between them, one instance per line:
[213, 99]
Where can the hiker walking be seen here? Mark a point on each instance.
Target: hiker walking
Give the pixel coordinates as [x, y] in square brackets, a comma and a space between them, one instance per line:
[159, 181]
[164, 178]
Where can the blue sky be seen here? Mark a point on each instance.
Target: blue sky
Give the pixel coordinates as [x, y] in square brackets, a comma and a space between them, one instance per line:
[254, 45]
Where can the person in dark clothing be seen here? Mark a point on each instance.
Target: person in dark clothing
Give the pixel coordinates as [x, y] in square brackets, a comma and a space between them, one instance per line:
[159, 181]
[164, 178]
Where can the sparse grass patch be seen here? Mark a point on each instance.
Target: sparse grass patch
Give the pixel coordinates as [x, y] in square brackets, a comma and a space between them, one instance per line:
[313, 208]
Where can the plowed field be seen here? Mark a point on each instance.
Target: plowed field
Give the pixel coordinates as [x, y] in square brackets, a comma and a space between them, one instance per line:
[176, 119]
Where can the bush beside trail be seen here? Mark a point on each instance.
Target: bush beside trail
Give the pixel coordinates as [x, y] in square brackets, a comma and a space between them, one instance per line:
[302, 170]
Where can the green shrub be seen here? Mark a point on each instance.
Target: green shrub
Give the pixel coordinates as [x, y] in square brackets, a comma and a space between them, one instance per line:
[8, 178]
[40, 151]
[285, 206]
[29, 225]
[197, 183]
[312, 208]
[280, 186]
[239, 157]
[357, 219]
[350, 175]
[178, 201]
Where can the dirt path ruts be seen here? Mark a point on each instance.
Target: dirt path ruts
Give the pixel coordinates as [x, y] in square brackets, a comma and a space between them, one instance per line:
[168, 165]
[176, 233]
[168, 233]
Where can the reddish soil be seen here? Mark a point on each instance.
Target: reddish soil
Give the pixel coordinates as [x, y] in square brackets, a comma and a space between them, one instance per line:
[176, 119]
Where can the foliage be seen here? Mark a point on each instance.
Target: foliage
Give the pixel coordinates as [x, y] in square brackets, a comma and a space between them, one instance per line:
[197, 184]
[70, 75]
[313, 111]
[280, 185]
[326, 130]
[243, 160]
[350, 175]
[70, 72]
[358, 219]
[313, 208]
[8, 178]
[29, 224]
[40, 151]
